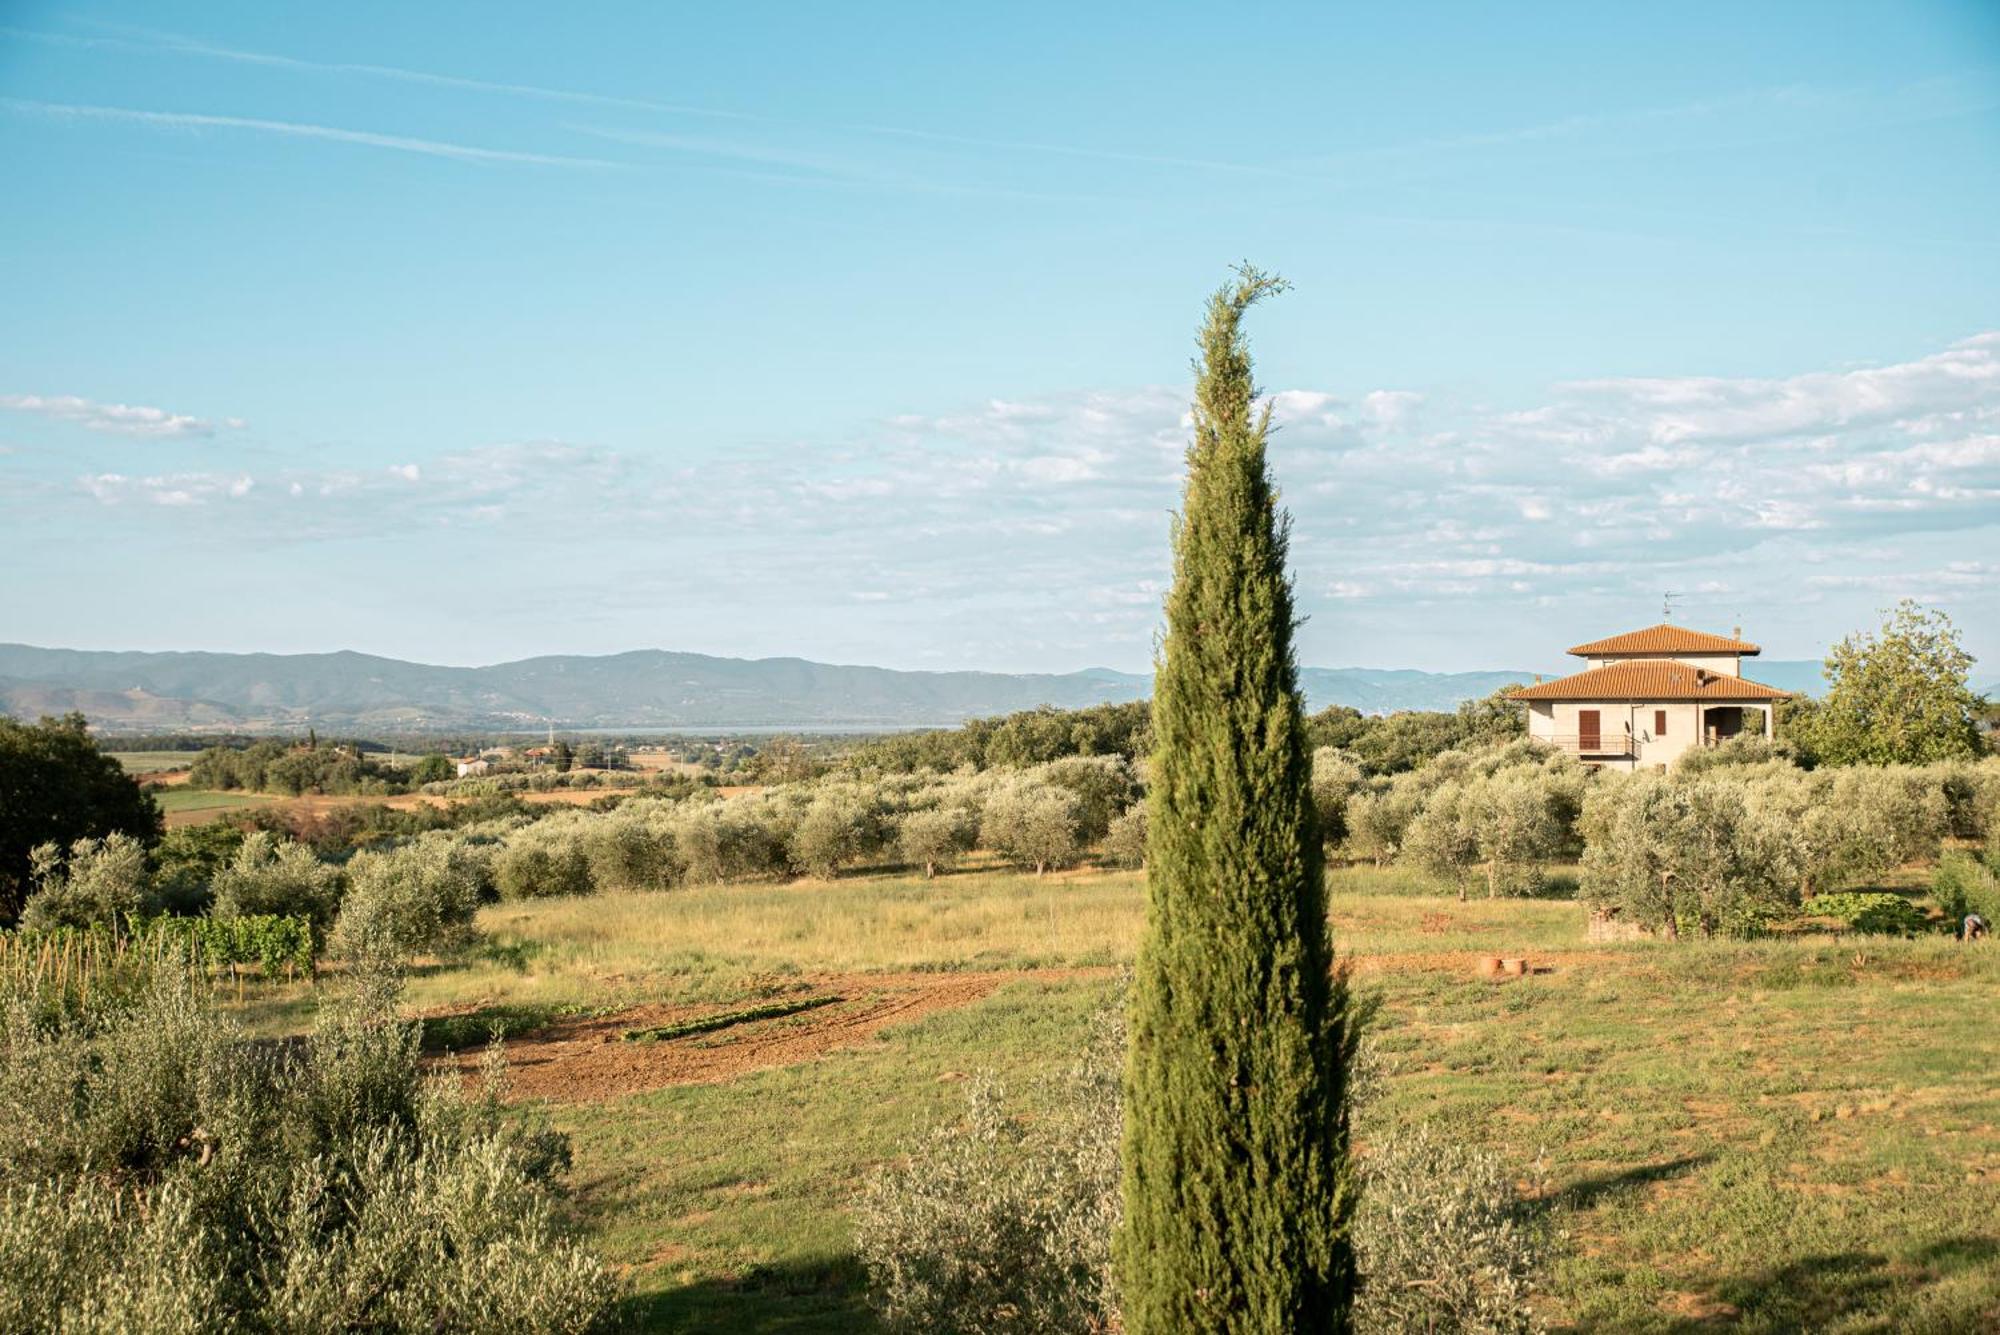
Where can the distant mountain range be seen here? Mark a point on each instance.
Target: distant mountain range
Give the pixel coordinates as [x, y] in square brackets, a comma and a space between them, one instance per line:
[645, 689]
[640, 690]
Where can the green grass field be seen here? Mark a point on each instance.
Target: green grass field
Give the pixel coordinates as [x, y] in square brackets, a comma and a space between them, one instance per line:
[153, 762]
[1757, 1136]
[183, 801]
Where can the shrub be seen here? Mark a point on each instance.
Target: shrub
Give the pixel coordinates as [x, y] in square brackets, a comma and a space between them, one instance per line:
[277, 877]
[1962, 885]
[180, 1178]
[268, 940]
[417, 899]
[101, 881]
[1874, 911]
[988, 1226]
[1444, 1242]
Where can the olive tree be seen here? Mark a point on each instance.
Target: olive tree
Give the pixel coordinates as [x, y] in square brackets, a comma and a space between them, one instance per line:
[99, 881]
[1033, 824]
[1441, 839]
[270, 875]
[936, 838]
[1667, 851]
[416, 899]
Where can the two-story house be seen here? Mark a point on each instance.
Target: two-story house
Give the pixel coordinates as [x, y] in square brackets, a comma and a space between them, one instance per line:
[1645, 697]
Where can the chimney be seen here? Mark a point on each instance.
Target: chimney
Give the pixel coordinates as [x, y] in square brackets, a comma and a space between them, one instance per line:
[1538, 679]
[1736, 633]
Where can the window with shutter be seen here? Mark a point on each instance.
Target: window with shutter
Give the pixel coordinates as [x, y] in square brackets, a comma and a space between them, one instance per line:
[1659, 723]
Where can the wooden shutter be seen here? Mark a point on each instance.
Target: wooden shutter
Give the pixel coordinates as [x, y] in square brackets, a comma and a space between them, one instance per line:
[1659, 723]
[1589, 730]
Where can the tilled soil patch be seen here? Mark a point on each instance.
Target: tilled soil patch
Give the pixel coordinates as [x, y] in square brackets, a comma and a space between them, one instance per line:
[584, 1059]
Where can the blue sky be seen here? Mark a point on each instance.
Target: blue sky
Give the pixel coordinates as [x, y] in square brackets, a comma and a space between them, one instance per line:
[463, 333]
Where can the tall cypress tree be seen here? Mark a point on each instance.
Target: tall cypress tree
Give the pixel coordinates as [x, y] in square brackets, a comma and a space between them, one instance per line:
[1237, 1191]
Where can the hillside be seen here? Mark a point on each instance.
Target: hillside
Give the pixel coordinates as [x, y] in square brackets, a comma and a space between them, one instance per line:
[642, 689]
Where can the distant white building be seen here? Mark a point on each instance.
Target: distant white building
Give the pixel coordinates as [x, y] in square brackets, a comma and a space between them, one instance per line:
[468, 768]
[1648, 696]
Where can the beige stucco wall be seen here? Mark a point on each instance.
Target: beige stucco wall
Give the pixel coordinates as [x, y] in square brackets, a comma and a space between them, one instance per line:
[1728, 665]
[1555, 722]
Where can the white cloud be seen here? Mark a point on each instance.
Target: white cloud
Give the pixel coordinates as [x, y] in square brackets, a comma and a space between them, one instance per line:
[184, 120]
[117, 418]
[1018, 516]
[172, 489]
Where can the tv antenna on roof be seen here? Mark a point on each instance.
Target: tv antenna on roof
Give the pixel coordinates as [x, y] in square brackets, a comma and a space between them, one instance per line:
[1667, 604]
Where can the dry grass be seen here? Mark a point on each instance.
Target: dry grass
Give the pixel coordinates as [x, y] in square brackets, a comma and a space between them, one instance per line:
[1761, 1136]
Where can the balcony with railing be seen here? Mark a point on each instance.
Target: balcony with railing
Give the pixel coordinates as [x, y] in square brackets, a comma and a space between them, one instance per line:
[1595, 745]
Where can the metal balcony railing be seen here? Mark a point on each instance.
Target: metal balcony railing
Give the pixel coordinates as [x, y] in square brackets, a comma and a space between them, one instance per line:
[1603, 744]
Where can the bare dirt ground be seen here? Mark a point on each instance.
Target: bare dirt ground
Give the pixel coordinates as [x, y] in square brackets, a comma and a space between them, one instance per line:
[584, 1059]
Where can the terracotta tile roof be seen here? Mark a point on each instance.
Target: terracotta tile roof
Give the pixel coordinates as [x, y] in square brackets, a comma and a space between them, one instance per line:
[1665, 639]
[1648, 680]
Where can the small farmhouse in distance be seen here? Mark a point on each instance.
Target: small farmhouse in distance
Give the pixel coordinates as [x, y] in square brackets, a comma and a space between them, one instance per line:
[1647, 696]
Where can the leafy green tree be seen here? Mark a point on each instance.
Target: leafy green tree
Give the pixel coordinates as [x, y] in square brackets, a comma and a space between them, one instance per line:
[1103, 786]
[1405, 740]
[1492, 718]
[99, 881]
[1667, 852]
[1125, 841]
[1338, 726]
[185, 863]
[433, 768]
[269, 875]
[843, 823]
[1033, 823]
[936, 838]
[57, 787]
[1335, 776]
[1238, 1190]
[1896, 696]
[1516, 817]
[1441, 840]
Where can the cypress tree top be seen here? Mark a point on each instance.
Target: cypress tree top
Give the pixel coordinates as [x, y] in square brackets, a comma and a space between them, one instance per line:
[1236, 1188]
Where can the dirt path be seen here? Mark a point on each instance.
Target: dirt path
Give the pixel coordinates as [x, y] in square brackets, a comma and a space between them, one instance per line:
[584, 1059]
